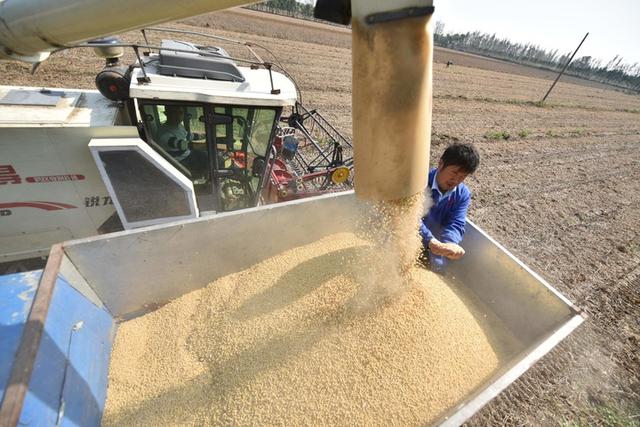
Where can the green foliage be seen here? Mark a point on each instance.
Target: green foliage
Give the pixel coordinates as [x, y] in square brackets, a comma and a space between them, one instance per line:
[571, 423]
[603, 415]
[291, 6]
[524, 133]
[614, 417]
[539, 104]
[494, 135]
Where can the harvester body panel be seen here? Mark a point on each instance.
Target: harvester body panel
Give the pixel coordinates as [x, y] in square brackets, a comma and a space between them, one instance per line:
[51, 190]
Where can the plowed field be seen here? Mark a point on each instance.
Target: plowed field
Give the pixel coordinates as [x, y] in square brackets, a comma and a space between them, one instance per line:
[559, 186]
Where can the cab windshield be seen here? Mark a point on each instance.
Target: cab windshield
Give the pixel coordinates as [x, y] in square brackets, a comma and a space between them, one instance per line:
[222, 149]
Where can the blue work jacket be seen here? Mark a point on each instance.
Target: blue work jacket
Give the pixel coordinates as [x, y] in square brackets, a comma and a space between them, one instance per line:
[447, 217]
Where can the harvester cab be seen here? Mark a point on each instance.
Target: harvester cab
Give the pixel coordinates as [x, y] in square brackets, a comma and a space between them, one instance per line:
[216, 123]
[209, 125]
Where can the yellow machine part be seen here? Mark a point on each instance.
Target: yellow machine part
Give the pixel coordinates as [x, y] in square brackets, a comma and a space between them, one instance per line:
[340, 175]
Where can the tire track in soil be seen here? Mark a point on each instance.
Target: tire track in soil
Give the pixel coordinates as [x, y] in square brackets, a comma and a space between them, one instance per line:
[580, 171]
[561, 156]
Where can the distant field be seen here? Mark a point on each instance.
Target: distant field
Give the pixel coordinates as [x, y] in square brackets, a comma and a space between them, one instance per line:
[340, 36]
[558, 186]
[475, 61]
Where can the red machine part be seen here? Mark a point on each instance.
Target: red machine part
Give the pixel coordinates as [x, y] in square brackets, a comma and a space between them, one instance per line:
[285, 186]
[287, 183]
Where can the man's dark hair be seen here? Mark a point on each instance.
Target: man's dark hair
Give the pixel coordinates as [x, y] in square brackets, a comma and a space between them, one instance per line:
[463, 155]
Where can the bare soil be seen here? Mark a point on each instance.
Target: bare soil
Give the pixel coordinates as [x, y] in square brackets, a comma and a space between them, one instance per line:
[558, 186]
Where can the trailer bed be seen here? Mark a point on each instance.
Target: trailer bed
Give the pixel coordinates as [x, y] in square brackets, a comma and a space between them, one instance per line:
[126, 274]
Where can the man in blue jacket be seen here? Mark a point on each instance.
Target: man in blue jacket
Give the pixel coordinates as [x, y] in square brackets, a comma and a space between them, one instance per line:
[443, 227]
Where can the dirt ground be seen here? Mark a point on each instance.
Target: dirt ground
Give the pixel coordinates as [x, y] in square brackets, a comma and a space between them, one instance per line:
[559, 186]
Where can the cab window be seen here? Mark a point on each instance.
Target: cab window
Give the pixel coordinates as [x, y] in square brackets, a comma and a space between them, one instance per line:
[179, 131]
[241, 146]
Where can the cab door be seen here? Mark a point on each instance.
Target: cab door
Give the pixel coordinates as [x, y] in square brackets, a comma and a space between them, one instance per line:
[221, 149]
[242, 138]
[180, 133]
[144, 187]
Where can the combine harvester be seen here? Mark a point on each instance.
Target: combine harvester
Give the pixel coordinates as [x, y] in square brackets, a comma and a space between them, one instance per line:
[58, 325]
[76, 163]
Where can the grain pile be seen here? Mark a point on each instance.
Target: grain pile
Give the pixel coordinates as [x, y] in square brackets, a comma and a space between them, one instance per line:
[287, 342]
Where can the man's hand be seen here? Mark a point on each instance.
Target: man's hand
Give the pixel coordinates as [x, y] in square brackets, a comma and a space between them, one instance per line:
[455, 251]
[449, 250]
[183, 144]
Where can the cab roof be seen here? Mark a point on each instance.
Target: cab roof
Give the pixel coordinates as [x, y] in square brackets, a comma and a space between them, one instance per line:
[255, 90]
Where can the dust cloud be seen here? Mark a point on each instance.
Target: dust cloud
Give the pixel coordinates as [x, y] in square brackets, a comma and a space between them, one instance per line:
[391, 229]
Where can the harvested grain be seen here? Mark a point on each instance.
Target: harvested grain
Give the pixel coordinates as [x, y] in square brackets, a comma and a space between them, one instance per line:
[280, 343]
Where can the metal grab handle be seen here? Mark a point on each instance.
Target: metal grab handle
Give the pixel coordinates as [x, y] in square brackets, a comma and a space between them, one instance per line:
[76, 327]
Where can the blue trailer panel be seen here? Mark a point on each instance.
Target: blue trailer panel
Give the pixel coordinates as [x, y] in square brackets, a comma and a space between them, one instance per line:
[16, 296]
[68, 381]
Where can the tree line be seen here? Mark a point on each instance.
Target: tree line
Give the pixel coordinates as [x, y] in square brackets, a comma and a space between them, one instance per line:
[285, 7]
[614, 72]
